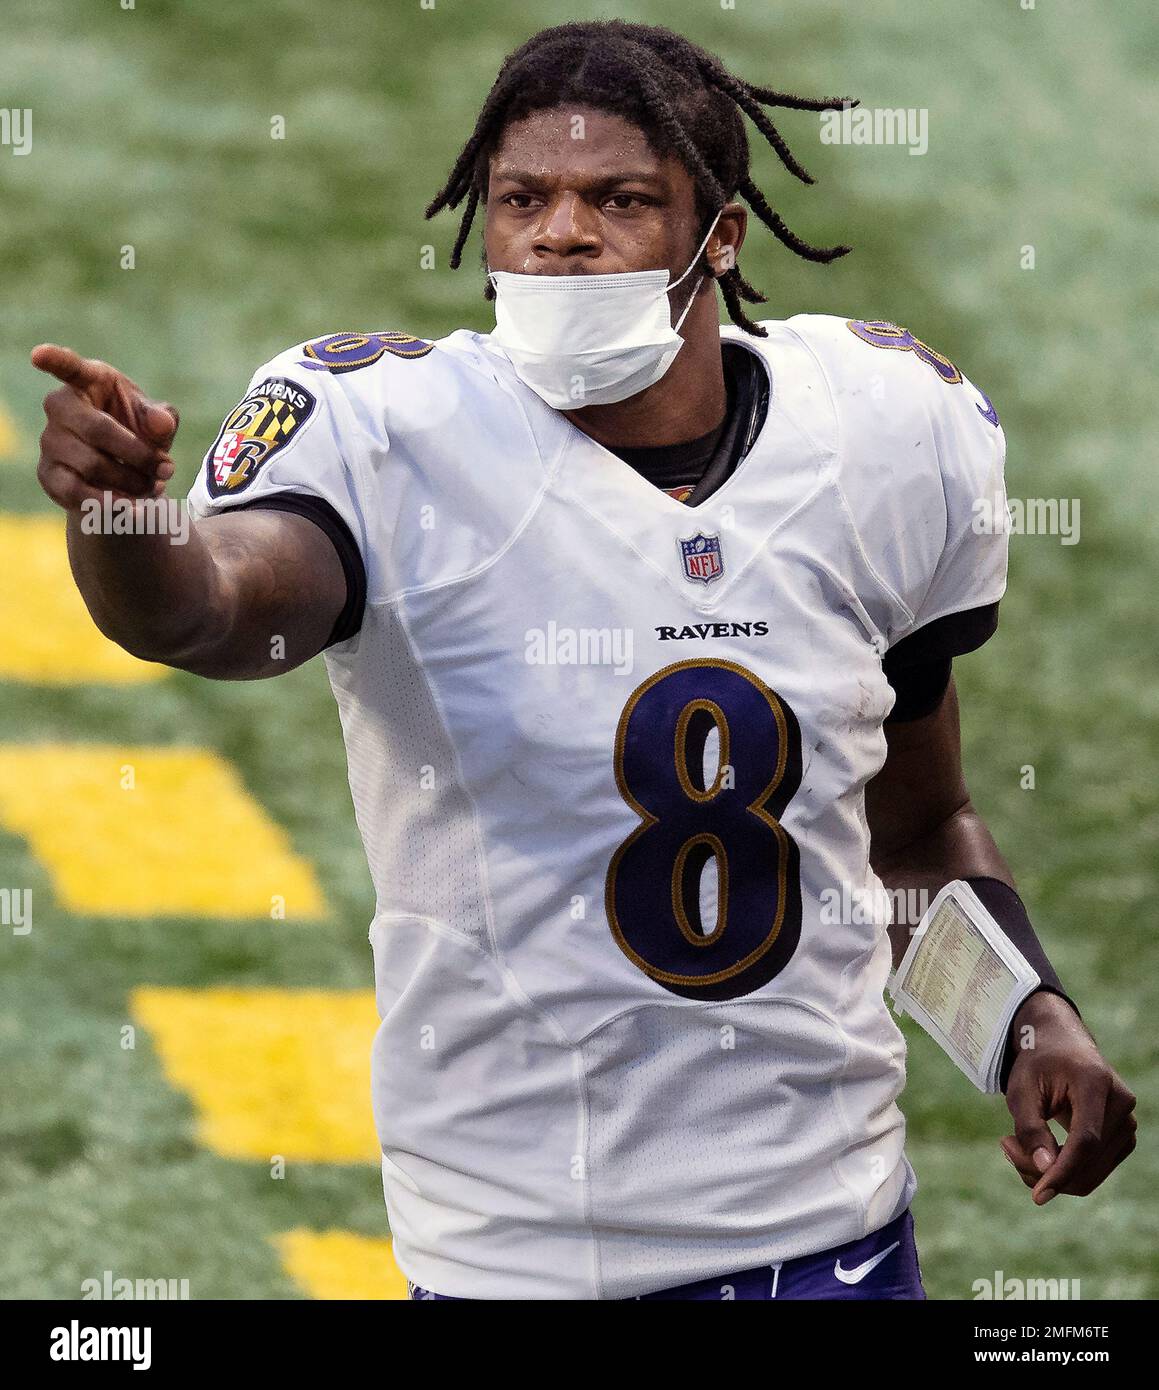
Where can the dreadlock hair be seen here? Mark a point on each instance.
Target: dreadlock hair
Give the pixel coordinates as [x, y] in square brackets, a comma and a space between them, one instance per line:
[684, 100]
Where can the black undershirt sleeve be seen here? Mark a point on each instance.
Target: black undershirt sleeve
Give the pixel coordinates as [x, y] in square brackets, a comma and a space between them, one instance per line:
[919, 666]
[918, 689]
[323, 515]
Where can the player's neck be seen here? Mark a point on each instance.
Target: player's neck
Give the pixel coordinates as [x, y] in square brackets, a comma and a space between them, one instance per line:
[688, 402]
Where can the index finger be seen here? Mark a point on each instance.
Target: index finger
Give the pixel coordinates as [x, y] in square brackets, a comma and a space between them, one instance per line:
[81, 373]
[1083, 1141]
[66, 365]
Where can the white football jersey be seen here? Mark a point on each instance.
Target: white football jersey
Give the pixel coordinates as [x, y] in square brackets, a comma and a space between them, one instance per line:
[608, 756]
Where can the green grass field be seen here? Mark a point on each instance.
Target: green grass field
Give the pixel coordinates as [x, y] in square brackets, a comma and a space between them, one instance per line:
[151, 129]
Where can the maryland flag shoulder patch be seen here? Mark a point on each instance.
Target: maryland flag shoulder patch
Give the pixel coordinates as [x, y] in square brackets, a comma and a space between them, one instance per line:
[269, 417]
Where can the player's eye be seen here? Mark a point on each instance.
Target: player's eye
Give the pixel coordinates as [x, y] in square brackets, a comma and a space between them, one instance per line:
[622, 202]
[520, 201]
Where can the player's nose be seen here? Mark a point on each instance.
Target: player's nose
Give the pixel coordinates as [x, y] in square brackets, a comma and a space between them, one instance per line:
[566, 238]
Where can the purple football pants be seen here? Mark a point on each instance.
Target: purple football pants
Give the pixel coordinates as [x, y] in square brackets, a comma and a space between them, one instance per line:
[881, 1265]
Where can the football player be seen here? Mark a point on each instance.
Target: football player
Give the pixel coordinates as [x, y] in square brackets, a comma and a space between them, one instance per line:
[641, 631]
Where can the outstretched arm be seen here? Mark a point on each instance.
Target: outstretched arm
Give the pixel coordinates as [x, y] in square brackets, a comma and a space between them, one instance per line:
[215, 605]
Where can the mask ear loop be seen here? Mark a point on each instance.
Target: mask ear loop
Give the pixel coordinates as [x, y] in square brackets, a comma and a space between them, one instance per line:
[699, 278]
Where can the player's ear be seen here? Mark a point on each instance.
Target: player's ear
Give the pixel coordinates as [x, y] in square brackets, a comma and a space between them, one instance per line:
[724, 245]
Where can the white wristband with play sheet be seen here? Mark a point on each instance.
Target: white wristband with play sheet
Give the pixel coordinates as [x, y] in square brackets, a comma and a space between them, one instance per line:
[962, 979]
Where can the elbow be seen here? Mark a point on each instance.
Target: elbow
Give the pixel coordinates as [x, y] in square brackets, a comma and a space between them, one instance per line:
[170, 644]
[912, 843]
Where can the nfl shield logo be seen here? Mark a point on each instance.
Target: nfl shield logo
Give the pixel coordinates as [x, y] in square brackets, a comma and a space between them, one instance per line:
[701, 557]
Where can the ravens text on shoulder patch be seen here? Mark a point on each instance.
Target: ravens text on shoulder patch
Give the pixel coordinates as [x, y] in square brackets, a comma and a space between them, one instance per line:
[267, 420]
[347, 352]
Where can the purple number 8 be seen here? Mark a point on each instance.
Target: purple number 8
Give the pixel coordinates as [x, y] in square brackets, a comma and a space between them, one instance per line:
[882, 334]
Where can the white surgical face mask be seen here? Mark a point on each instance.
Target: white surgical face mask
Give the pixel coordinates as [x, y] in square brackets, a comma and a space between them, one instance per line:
[579, 340]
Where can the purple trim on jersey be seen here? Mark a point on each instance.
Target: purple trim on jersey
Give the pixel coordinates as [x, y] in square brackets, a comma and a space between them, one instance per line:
[989, 413]
[883, 1265]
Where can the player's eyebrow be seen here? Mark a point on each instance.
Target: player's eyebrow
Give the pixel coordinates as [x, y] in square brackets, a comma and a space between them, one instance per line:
[597, 184]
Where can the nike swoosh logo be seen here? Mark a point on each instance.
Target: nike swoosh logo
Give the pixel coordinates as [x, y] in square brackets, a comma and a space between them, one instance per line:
[855, 1276]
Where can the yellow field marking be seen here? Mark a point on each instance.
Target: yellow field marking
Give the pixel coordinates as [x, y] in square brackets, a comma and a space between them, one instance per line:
[49, 637]
[9, 436]
[271, 1071]
[340, 1264]
[184, 839]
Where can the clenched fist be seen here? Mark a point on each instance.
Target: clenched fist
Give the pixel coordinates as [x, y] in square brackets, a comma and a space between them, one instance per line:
[104, 435]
